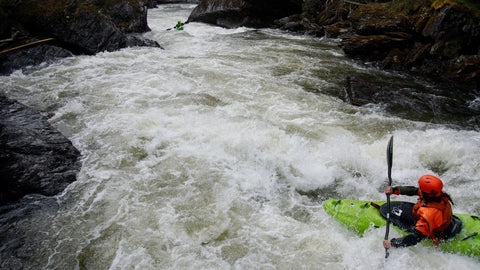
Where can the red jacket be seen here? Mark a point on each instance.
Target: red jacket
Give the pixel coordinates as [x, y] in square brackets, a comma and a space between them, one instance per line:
[432, 217]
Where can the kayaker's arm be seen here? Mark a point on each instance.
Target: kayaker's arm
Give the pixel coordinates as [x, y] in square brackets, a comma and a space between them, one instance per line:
[403, 190]
[408, 240]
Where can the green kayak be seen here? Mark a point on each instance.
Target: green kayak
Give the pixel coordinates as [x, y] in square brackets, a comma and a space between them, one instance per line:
[361, 216]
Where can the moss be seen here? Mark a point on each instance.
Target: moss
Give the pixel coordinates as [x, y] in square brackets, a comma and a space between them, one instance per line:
[407, 4]
[373, 7]
[467, 5]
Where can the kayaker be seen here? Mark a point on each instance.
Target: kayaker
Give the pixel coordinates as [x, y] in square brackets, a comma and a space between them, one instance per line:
[433, 212]
[179, 25]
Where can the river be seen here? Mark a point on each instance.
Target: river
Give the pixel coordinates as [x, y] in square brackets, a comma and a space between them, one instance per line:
[217, 152]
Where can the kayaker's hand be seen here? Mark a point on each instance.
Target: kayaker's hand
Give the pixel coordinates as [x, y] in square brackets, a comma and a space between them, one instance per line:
[387, 243]
[389, 190]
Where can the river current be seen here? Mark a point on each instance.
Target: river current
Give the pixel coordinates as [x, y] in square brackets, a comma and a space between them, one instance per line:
[217, 151]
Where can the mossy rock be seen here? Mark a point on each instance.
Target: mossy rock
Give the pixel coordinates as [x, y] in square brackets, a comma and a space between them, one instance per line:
[464, 5]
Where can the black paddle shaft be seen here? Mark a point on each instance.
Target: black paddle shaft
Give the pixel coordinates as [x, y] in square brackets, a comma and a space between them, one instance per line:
[389, 164]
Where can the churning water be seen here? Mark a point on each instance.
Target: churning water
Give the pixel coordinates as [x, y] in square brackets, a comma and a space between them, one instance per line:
[217, 152]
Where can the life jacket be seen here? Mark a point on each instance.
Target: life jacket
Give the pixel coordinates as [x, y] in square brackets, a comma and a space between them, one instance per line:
[432, 217]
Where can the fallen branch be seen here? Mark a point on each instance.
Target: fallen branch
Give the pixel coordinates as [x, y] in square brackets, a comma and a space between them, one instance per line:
[26, 45]
[353, 3]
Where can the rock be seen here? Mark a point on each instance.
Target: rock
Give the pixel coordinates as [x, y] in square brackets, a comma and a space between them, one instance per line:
[430, 40]
[250, 13]
[89, 26]
[34, 157]
[377, 18]
[372, 47]
[311, 9]
[32, 56]
[340, 29]
[17, 240]
[413, 104]
[298, 23]
[229, 14]
[127, 17]
[81, 27]
[453, 32]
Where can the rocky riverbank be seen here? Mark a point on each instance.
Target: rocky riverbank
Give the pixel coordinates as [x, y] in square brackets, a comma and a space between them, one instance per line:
[437, 39]
[36, 31]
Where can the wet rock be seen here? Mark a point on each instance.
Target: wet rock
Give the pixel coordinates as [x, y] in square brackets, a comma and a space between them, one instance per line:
[81, 27]
[127, 17]
[297, 23]
[17, 239]
[373, 47]
[378, 30]
[377, 18]
[32, 56]
[430, 40]
[414, 104]
[229, 14]
[338, 30]
[34, 157]
[250, 13]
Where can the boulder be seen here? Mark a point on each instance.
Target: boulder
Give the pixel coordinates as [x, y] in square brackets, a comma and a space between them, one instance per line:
[34, 157]
[31, 56]
[249, 13]
[373, 47]
[414, 104]
[81, 27]
[378, 18]
[298, 23]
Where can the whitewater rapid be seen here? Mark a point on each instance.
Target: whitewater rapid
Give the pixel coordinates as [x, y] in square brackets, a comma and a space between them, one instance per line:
[217, 151]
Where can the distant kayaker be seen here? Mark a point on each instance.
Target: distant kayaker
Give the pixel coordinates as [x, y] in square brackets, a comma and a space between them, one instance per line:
[179, 26]
[433, 212]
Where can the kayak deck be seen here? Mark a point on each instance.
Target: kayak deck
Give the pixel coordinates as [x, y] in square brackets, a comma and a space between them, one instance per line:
[361, 216]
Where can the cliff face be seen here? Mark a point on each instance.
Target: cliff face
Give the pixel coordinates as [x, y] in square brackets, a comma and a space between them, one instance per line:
[432, 38]
[74, 26]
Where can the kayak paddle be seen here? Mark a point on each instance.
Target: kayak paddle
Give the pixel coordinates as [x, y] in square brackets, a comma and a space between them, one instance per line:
[389, 164]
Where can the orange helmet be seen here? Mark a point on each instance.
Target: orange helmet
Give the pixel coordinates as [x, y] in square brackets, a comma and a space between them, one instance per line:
[430, 185]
